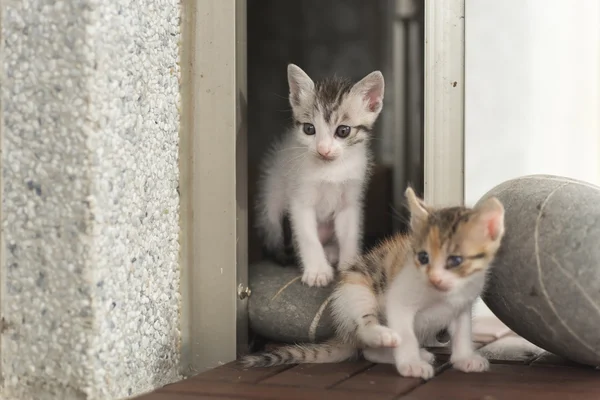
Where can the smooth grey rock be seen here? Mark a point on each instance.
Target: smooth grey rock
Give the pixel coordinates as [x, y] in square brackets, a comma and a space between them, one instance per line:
[282, 308]
[545, 283]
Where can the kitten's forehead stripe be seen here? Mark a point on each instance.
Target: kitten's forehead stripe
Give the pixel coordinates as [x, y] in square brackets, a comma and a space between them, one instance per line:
[448, 220]
[329, 94]
[434, 242]
[332, 90]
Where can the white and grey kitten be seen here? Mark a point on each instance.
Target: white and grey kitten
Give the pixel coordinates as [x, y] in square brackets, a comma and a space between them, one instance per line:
[317, 173]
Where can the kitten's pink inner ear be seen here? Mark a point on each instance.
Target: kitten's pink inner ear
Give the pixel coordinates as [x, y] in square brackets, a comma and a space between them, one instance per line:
[492, 227]
[371, 88]
[374, 99]
[492, 217]
[493, 224]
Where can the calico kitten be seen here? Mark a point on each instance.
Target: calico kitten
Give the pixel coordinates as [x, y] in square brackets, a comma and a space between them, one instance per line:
[408, 289]
[316, 174]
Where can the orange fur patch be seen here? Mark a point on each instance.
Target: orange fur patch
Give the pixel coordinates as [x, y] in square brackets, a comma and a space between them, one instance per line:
[435, 245]
[357, 279]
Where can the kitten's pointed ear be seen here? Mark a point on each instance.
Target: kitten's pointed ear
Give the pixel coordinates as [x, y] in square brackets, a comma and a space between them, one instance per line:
[300, 84]
[491, 217]
[418, 209]
[371, 88]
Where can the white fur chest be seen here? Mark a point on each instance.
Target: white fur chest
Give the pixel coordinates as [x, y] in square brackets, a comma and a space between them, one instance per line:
[328, 198]
[329, 188]
[434, 310]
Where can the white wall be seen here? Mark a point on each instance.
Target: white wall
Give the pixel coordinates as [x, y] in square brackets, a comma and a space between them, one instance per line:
[532, 91]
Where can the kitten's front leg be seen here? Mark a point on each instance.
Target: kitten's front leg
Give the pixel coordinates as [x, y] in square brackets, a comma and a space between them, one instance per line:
[347, 230]
[463, 357]
[317, 271]
[356, 309]
[407, 355]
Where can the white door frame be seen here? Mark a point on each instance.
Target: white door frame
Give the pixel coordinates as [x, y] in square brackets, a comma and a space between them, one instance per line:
[444, 101]
[212, 186]
[445, 107]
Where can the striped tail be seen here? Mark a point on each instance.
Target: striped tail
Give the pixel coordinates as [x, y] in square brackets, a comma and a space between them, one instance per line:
[299, 354]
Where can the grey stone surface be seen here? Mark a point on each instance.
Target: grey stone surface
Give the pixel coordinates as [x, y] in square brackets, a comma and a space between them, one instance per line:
[545, 284]
[90, 209]
[283, 309]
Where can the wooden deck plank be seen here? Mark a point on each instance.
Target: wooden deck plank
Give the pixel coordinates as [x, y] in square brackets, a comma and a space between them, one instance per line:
[235, 373]
[318, 376]
[548, 377]
[512, 382]
[265, 392]
[181, 396]
[380, 378]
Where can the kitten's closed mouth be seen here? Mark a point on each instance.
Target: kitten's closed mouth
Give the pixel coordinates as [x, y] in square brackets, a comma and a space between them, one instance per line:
[325, 158]
[440, 288]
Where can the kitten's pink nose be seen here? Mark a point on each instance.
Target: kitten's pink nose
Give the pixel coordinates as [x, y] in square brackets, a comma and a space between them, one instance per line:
[324, 152]
[438, 282]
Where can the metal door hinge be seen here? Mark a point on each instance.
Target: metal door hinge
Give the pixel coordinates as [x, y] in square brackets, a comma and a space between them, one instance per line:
[243, 292]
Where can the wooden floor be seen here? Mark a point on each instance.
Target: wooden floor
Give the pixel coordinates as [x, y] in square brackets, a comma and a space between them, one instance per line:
[518, 372]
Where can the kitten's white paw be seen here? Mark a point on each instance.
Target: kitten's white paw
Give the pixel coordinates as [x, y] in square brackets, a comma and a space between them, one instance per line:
[472, 363]
[427, 356]
[415, 369]
[379, 336]
[319, 276]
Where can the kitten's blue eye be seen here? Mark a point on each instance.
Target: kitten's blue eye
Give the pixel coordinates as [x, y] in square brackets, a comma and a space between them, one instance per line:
[423, 257]
[309, 129]
[342, 131]
[453, 261]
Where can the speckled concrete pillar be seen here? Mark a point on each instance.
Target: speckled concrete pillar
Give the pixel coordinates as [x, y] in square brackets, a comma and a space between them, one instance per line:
[90, 125]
